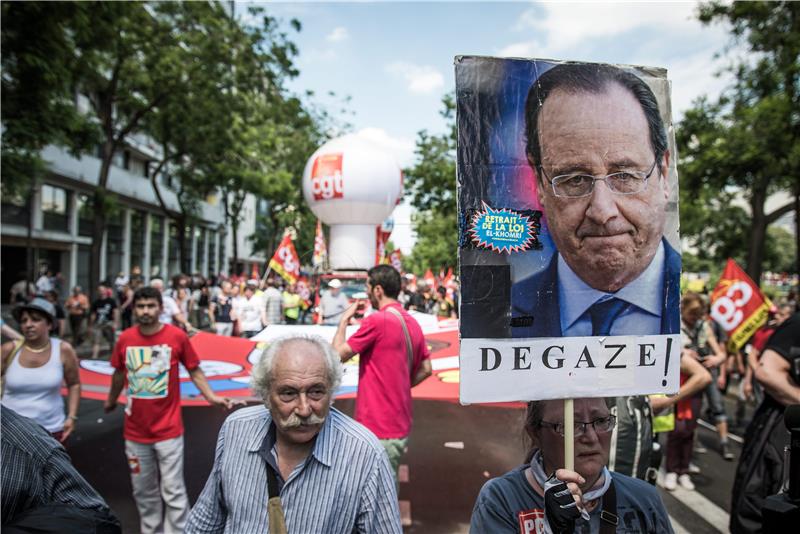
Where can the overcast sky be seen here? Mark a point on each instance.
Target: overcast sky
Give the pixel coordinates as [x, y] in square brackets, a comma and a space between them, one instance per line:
[395, 60]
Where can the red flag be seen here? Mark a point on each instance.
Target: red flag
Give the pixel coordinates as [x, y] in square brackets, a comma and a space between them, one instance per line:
[285, 261]
[320, 257]
[304, 291]
[396, 259]
[381, 238]
[738, 305]
[430, 280]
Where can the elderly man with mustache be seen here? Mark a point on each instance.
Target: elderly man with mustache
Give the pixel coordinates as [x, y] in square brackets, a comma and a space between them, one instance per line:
[329, 472]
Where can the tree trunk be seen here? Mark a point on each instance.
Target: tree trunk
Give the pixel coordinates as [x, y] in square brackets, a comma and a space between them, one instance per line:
[99, 219]
[758, 234]
[30, 267]
[797, 232]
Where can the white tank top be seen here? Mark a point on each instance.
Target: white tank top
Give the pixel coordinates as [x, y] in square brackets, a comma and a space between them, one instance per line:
[36, 392]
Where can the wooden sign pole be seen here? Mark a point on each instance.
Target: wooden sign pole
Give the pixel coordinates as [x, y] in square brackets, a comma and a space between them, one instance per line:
[569, 434]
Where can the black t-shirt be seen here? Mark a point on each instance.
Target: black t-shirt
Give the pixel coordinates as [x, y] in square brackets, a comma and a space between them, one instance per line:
[104, 308]
[222, 309]
[786, 342]
[60, 314]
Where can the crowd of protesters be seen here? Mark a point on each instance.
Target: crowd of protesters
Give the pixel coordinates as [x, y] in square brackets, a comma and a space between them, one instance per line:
[238, 306]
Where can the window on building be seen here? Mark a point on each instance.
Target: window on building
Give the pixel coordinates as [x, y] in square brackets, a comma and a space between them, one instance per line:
[54, 208]
[173, 258]
[121, 159]
[115, 242]
[221, 253]
[137, 239]
[200, 239]
[156, 246]
[85, 214]
[14, 209]
[212, 252]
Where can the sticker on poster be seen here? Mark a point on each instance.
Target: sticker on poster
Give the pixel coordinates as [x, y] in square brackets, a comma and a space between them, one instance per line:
[502, 230]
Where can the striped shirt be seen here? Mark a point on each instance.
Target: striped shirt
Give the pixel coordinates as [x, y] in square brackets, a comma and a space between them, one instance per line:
[36, 473]
[344, 485]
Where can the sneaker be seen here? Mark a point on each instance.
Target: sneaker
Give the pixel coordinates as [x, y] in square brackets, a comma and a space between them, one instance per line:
[726, 452]
[699, 448]
[686, 482]
[671, 481]
[693, 469]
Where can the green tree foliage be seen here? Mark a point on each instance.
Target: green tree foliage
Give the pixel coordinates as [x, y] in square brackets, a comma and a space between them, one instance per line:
[38, 87]
[747, 142]
[432, 190]
[206, 86]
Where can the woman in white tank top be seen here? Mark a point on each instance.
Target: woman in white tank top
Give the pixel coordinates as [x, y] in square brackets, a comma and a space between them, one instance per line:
[33, 371]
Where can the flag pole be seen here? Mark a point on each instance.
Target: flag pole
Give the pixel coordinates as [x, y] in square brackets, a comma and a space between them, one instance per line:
[569, 434]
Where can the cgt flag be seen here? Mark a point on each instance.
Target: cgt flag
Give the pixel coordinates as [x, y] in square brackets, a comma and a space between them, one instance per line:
[320, 257]
[285, 261]
[738, 305]
[396, 259]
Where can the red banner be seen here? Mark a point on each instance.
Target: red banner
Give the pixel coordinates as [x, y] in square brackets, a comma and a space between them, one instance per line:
[320, 257]
[326, 177]
[285, 261]
[738, 305]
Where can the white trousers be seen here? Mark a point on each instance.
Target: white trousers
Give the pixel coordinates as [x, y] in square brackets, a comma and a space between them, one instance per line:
[151, 463]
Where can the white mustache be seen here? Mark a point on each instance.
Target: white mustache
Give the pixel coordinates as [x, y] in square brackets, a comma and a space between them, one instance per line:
[294, 421]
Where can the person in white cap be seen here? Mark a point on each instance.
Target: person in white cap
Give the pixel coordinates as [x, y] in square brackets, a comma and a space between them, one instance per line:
[332, 303]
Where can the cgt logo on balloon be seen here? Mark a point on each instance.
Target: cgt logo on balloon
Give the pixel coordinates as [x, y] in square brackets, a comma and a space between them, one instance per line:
[326, 177]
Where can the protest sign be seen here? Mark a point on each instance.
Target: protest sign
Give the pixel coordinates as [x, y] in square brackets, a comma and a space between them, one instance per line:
[568, 222]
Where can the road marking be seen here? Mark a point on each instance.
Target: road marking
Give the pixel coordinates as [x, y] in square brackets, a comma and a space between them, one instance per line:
[405, 513]
[734, 437]
[713, 514]
[677, 527]
[402, 473]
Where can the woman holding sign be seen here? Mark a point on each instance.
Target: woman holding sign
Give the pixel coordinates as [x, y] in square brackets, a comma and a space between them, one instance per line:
[588, 499]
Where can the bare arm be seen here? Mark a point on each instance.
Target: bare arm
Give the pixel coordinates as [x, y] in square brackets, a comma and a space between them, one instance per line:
[199, 379]
[117, 381]
[773, 374]
[73, 381]
[699, 378]
[10, 333]
[212, 307]
[339, 343]
[425, 370]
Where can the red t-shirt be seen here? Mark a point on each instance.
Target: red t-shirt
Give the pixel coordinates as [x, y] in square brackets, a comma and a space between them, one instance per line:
[383, 403]
[153, 412]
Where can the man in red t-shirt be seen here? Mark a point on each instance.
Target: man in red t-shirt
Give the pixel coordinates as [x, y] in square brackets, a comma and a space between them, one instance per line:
[146, 356]
[393, 359]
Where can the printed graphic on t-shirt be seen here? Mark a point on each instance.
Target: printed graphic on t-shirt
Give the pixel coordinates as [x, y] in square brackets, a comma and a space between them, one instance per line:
[148, 371]
[531, 521]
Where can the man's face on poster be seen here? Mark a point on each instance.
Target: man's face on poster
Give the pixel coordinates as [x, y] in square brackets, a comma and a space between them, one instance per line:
[607, 238]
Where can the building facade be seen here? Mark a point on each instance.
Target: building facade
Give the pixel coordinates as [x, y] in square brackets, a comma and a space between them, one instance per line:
[138, 233]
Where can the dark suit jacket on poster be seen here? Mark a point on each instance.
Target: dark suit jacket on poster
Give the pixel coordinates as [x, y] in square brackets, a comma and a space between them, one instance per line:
[536, 297]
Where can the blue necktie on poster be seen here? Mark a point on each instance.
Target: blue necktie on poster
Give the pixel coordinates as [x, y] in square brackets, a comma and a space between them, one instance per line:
[603, 315]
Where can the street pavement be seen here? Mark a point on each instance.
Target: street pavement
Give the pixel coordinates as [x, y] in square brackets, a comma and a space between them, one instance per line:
[453, 451]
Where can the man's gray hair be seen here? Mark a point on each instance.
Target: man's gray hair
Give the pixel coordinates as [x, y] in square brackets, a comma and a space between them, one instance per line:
[261, 375]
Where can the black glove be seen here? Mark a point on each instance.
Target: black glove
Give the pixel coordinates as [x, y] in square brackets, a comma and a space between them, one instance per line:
[560, 508]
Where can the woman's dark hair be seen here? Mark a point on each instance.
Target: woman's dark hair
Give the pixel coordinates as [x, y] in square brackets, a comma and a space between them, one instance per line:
[147, 292]
[36, 315]
[533, 416]
[593, 79]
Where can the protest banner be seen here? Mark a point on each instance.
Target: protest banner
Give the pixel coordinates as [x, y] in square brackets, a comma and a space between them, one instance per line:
[568, 222]
[738, 305]
[285, 261]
